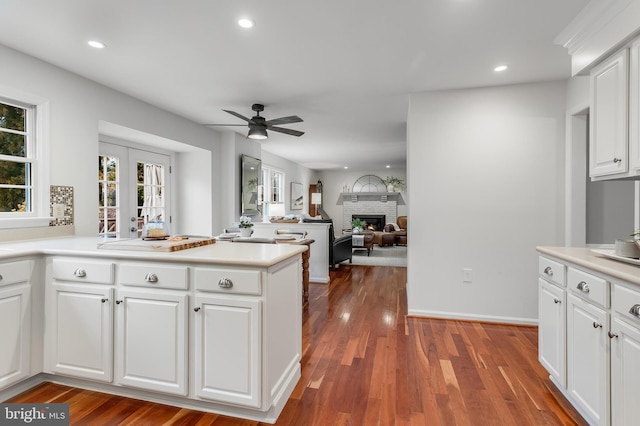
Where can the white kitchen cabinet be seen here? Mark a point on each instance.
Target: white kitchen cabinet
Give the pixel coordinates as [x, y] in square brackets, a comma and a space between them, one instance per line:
[588, 358]
[151, 340]
[79, 331]
[228, 350]
[625, 354]
[608, 142]
[15, 320]
[551, 329]
[15, 317]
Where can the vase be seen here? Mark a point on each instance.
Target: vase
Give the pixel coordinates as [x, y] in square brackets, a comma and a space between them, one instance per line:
[245, 232]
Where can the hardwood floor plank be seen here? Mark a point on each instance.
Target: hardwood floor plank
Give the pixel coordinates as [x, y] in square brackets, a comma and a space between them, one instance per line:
[365, 362]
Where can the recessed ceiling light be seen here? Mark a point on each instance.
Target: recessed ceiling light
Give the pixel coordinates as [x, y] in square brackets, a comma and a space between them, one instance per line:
[246, 23]
[96, 44]
[500, 68]
[388, 166]
[346, 167]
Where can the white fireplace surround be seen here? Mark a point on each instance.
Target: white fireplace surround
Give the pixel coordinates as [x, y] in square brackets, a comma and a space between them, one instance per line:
[349, 208]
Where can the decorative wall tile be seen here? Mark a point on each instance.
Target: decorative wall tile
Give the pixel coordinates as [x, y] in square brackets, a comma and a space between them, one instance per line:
[63, 196]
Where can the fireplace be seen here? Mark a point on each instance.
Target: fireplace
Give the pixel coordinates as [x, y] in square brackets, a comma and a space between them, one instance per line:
[373, 222]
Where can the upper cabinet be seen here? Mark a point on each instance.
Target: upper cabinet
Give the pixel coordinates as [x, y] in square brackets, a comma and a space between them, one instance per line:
[608, 144]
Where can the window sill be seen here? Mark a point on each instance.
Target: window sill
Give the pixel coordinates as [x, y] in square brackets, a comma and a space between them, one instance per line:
[24, 222]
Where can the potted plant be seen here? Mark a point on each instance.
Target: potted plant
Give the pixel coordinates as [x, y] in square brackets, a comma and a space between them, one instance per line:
[393, 183]
[357, 226]
[245, 226]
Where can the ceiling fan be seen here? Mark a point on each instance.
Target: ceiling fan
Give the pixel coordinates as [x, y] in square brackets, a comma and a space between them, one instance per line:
[258, 125]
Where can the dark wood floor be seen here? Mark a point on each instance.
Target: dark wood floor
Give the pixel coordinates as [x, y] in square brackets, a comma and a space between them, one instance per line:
[366, 363]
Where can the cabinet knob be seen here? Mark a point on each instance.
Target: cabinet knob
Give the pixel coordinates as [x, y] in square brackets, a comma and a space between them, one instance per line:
[196, 309]
[119, 302]
[548, 271]
[556, 300]
[104, 300]
[225, 283]
[151, 278]
[612, 335]
[80, 273]
[597, 325]
[635, 310]
[617, 160]
[583, 287]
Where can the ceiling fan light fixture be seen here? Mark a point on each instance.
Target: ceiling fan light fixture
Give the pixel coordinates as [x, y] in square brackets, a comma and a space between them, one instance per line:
[257, 133]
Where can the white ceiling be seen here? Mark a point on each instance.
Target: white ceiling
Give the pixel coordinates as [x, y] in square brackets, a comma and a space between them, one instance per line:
[345, 66]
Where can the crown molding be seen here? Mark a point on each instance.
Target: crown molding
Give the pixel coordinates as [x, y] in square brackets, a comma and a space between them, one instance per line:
[601, 27]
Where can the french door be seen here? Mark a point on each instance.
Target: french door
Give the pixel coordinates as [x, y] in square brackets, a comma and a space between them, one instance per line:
[134, 188]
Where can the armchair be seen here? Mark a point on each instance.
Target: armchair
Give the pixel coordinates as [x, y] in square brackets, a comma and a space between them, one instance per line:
[340, 249]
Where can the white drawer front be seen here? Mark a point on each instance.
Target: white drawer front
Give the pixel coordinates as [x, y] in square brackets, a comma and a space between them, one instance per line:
[551, 270]
[15, 272]
[626, 302]
[154, 275]
[228, 280]
[81, 270]
[588, 286]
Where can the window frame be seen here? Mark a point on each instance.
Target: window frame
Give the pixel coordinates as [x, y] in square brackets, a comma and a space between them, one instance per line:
[37, 154]
[267, 175]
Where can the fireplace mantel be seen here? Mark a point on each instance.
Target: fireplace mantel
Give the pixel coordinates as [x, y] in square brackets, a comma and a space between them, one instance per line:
[383, 197]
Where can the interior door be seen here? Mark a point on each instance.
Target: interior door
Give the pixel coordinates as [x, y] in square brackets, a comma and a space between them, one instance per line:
[134, 187]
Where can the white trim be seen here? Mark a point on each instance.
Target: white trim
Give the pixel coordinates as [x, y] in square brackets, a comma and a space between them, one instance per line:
[575, 178]
[24, 222]
[472, 317]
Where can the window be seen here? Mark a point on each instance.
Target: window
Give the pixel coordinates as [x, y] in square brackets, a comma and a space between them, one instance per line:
[273, 187]
[108, 186]
[16, 159]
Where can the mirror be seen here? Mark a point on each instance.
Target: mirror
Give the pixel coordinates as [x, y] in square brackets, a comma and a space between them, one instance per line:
[251, 194]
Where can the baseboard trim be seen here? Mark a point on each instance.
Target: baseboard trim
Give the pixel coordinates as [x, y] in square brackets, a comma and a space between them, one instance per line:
[472, 317]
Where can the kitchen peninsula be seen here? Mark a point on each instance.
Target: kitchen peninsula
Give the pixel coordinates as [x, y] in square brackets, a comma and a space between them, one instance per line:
[214, 328]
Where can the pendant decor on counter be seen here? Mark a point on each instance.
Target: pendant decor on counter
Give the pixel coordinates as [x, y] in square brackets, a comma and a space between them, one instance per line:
[245, 232]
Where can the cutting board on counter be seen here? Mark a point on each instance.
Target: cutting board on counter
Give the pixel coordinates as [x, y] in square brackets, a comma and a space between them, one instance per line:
[171, 244]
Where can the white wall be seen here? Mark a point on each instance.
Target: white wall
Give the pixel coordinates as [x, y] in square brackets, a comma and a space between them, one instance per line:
[293, 172]
[77, 106]
[484, 166]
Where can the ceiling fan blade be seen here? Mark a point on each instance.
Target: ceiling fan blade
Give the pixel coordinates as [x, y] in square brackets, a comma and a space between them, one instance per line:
[216, 125]
[284, 120]
[237, 115]
[286, 131]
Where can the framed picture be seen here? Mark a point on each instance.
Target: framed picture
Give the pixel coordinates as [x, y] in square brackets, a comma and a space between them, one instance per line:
[296, 196]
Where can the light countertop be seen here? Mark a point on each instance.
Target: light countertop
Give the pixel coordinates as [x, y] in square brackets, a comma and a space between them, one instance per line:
[585, 257]
[221, 253]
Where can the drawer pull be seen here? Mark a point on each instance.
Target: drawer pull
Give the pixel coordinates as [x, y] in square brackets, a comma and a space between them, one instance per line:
[548, 271]
[597, 325]
[612, 335]
[80, 273]
[104, 300]
[225, 283]
[151, 278]
[196, 309]
[556, 300]
[635, 310]
[583, 287]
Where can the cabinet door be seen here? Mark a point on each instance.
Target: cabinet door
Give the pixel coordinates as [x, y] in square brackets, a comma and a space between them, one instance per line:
[151, 341]
[625, 373]
[608, 121]
[551, 330]
[81, 333]
[634, 106]
[228, 347]
[588, 358]
[15, 317]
